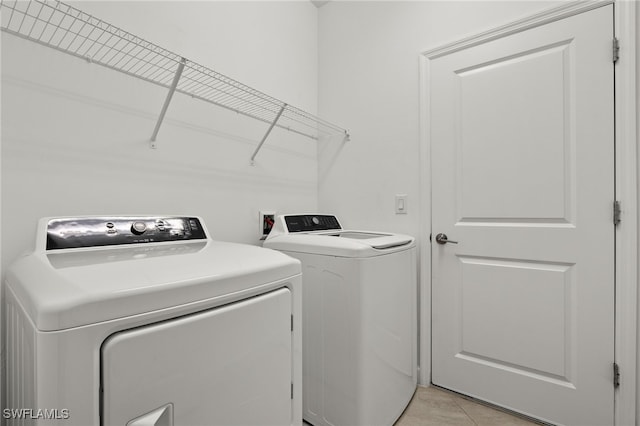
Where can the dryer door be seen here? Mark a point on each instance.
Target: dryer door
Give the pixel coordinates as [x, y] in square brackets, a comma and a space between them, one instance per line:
[226, 366]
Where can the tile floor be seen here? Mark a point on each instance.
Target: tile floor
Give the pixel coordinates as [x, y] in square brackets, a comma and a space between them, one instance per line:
[436, 407]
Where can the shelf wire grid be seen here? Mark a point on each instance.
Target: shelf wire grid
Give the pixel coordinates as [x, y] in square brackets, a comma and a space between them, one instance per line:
[65, 28]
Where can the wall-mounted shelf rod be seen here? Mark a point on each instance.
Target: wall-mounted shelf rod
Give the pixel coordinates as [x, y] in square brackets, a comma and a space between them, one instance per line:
[70, 30]
[167, 101]
[266, 135]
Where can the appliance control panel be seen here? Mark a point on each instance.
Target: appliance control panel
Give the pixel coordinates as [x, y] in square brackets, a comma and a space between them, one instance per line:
[311, 222]
[66, 233]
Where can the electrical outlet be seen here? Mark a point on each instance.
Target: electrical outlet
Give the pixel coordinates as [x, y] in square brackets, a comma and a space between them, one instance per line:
[266, 222]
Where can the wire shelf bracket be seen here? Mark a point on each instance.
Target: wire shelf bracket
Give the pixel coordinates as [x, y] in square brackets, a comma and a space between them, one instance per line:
[67, 29]
[167, 101]
[266, 135]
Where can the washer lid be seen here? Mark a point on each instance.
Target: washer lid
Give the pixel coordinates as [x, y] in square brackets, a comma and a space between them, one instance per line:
[76, 287]
[341, 243]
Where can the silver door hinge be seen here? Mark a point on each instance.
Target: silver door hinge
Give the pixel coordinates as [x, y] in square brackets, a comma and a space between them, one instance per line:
[616, 375]
[617, 213]
[616, 50]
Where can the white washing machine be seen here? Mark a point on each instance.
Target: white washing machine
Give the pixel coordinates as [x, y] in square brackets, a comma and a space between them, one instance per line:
[359, 304]
[147, 321]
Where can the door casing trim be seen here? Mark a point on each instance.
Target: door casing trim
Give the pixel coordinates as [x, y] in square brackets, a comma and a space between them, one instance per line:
[627, 185]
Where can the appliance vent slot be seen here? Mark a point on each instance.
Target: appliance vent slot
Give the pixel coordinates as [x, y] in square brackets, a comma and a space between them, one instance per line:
[20, 374]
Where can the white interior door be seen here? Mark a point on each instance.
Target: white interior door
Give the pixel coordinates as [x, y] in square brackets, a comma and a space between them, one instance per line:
[522, 139]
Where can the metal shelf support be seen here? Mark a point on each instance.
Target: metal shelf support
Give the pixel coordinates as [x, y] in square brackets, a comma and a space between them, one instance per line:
[266, 135]
[167, 101]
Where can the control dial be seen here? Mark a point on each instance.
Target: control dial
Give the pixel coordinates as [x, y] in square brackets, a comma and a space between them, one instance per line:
[138, 228]
[315, 220]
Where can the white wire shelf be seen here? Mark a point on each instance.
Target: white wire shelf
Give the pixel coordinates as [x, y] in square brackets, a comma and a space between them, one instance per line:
[70, 30]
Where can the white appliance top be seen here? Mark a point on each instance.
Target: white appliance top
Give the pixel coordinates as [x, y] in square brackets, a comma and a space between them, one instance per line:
[322, 234]
[91, 269]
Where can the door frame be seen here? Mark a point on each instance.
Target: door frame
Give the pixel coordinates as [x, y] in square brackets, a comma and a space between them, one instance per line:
[626, 191]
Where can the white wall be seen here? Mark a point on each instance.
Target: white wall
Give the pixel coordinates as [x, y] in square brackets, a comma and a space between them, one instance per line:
[75, 135]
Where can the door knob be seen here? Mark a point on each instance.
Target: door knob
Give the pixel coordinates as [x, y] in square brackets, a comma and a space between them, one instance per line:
[442, 239]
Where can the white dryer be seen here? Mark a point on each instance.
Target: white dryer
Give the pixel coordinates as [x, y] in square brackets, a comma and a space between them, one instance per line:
[148, 321]
[359, 303]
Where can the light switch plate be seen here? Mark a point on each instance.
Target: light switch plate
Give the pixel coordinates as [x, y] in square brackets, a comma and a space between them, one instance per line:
[401, 203]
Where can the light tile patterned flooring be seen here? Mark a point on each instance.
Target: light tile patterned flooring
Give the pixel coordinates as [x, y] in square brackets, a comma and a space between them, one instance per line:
[436, 407]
